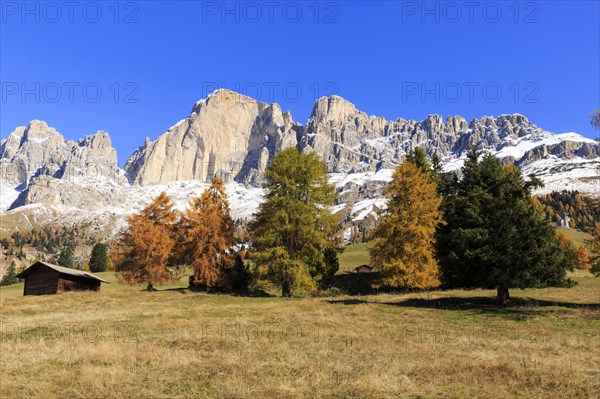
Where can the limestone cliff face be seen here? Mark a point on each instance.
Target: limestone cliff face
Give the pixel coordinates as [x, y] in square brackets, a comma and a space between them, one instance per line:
[350, 141]
[50, 170]
[29, 149]
[39, 150]
[228, 135]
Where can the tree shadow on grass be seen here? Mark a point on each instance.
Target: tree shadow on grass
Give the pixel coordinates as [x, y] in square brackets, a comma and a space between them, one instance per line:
[520, 308]
[486, 301]
[248, 294]
[182, 290]
[347, 301]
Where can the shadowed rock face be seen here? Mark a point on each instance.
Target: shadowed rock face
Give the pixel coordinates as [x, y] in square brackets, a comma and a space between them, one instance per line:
[228, 135]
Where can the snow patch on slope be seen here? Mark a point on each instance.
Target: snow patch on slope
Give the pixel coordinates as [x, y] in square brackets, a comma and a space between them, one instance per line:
[8, 195]
[342, 179]
[525, 144]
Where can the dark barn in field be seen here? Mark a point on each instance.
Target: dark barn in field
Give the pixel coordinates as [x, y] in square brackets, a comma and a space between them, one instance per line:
[43, 278]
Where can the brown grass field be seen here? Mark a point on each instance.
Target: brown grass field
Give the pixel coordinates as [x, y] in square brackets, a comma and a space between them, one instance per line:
[125, 343]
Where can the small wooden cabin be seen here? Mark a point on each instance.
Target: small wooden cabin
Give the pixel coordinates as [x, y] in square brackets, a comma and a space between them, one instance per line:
[363, 269]
[43, 278]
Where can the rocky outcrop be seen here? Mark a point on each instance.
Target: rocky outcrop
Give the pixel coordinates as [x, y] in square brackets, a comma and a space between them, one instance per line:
[39, 150]
[30, 149]
[563, 150]
[68, 194]
[350, 141]
[50, 170]
[228, 135]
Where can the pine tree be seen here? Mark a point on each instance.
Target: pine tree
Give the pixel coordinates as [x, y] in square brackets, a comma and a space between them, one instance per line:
[403, 249]
[143, 251]
[418, 157]
[436, 168]
[583, 258]
[99, 258]
[294, 226]
[240, 275]
[494, 236]
[65, 258]
[11, 275]
[207, 238]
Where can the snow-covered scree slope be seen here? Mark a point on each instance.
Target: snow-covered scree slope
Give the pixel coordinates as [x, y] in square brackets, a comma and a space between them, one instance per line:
[108, 218]
[45, 178]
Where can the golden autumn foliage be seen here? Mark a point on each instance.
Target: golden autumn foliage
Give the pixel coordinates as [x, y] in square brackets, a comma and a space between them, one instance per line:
[403, 249]
[142, 251]
[207, 237]
[583, 258]
[568, 245]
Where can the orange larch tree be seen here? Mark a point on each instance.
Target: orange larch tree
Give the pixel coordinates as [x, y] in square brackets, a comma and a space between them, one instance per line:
[142, 252]
[207, 238]
[403, 249]
[583, 258]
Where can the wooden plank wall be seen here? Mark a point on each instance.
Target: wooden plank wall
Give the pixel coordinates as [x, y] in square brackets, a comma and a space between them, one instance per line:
[74, 283]
[41, 282]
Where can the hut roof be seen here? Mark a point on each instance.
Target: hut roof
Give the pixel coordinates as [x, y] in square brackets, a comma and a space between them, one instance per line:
[63, 270]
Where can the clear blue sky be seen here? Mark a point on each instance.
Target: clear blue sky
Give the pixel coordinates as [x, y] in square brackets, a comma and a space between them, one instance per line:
[153, 60]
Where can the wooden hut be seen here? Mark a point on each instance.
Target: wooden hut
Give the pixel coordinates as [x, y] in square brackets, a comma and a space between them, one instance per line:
[43, 278]
[363, 269]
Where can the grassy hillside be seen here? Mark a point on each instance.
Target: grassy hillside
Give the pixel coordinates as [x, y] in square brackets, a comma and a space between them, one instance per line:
[576, 236]
[353, 255]
[125, 343]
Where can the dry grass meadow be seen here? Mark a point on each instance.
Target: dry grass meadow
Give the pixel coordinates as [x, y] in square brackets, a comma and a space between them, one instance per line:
[125, 343]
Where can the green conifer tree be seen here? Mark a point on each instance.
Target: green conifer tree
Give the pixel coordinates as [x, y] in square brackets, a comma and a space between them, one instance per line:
[294, 226]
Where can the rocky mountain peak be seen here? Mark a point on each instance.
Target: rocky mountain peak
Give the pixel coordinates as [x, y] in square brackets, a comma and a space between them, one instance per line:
[227, 135]
[38, 130]
[97, 141]
[333, 109]
[222, 98]
[10, 145]
[39, 150]
[434, 123]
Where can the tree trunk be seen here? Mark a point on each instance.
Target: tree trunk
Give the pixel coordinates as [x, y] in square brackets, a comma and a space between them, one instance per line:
[503, 296]
[150, 287]
[286, 289]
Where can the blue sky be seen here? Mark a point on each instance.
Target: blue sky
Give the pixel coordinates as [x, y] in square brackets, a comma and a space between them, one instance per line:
[136, 68]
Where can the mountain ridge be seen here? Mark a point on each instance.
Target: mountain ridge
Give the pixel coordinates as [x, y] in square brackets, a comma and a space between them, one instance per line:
[234, 137]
